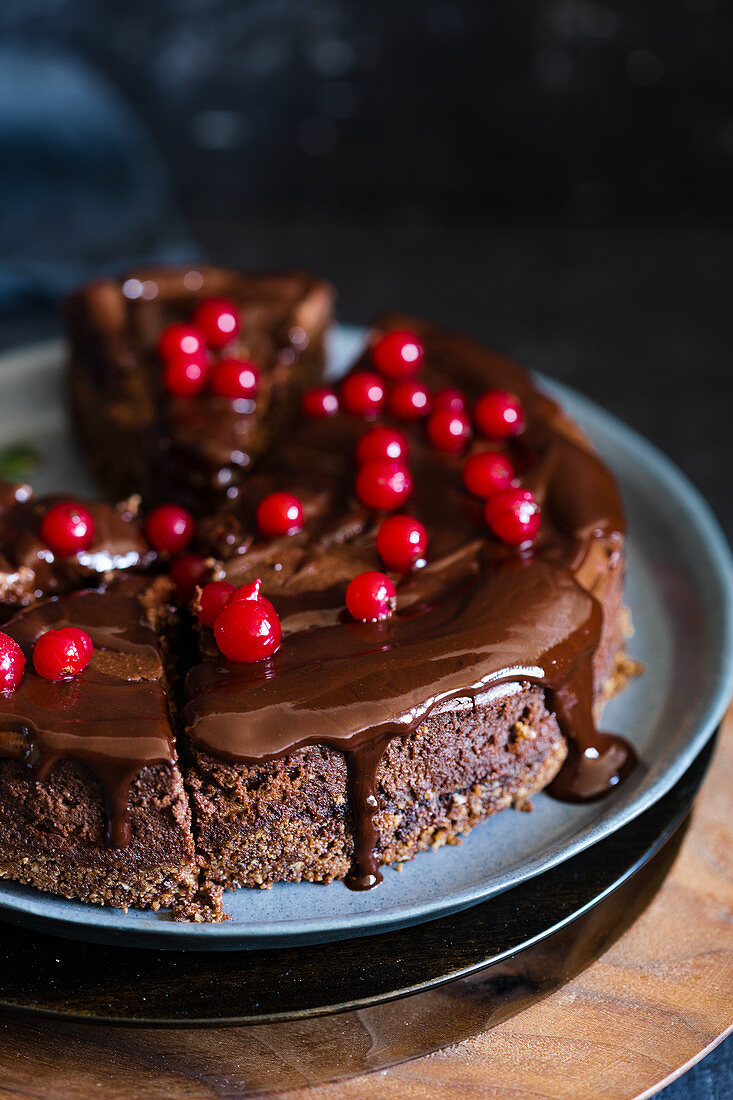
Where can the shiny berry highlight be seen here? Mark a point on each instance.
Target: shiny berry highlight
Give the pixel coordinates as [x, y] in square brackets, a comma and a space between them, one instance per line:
[371, 597]
[67, 528]
[401, 541]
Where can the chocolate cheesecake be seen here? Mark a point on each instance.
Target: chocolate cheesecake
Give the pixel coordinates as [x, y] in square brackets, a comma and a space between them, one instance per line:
[354, 744]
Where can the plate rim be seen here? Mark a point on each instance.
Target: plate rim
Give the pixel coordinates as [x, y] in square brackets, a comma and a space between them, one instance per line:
[103, 922]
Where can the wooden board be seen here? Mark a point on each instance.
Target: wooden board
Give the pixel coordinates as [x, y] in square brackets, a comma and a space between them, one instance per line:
[650, 1006]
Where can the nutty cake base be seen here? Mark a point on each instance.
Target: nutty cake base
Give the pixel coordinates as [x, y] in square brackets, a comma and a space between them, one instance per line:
[290, 821]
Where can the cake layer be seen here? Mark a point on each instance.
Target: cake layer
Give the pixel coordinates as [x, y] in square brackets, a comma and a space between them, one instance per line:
[542, 623]
[139, 438]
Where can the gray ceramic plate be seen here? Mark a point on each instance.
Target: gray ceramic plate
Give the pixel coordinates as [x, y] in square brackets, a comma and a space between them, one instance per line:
[680, 594]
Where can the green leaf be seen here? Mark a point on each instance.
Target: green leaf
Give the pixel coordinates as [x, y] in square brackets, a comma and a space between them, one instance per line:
[17, 461]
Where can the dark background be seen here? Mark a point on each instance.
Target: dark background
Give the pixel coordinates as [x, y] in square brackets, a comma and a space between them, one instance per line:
[555, 178]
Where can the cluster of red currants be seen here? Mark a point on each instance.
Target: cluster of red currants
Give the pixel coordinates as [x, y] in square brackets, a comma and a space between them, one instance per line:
[185, 350]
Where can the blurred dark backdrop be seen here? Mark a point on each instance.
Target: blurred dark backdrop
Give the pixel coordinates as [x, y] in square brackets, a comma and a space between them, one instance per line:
[554, 177]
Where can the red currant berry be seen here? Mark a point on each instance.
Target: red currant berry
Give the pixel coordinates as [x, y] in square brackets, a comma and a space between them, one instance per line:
[169, 529]
[181, 340]
[188, 573]
[383, 484]
[449, 399]
[398, 354]
[409, 400]
[362, 393]
[185, 376]
[370, 597]
[12, 663]
[247, 631]
[67, 528]
[218, 319]
[487, 473]
[61, 654]
[401, 540]
[513, 515]
[213, 599]
[279, 514]
[235, 378]
[320, 401]
[449, 431]
[381, 442]
[499, 414]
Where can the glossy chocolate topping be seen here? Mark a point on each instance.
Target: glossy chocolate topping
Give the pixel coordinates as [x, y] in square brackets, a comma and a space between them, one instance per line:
[478, 618]
[30, 570]
[113, 716]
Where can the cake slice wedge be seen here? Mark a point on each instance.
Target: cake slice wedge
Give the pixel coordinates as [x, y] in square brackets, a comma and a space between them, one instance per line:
[139, 437]
[92, 803]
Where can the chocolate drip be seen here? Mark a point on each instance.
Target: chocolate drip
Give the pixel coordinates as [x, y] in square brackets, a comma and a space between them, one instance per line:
[113, 717]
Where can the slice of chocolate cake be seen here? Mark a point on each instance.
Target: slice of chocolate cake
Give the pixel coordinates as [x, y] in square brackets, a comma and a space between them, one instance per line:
[92, 803]
[186, 422]
[360, 743]
[54, 544]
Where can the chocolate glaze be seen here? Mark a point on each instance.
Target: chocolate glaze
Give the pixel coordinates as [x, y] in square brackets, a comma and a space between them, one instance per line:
[29, 569]
[113, 716]
[478, 618]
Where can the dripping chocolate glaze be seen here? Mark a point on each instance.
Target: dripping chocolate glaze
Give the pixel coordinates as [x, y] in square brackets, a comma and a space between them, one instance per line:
[478, 619]
[113, 716]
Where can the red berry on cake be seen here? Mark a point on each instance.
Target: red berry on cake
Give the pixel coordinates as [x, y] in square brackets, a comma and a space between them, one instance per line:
[487, 472]
[398, 354]
[383, 484]
[409, 400]
[67, 528]
[218, 319]
[234, 378]
[513, 515]
[213, 599]
[401, 541]
[169, 529]
[499, 414]
[248, 630]
[185, 376]
[12, 663]
[371, 597]
[449, 399]
[320, 401]
[61, 654]
[188, 573]
[362, 393]
[279, 514]
[181, 340]
[448, 430]
[382, 442]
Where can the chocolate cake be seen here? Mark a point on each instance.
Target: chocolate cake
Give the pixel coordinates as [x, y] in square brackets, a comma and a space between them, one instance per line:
[138, 438]
[353, 743]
